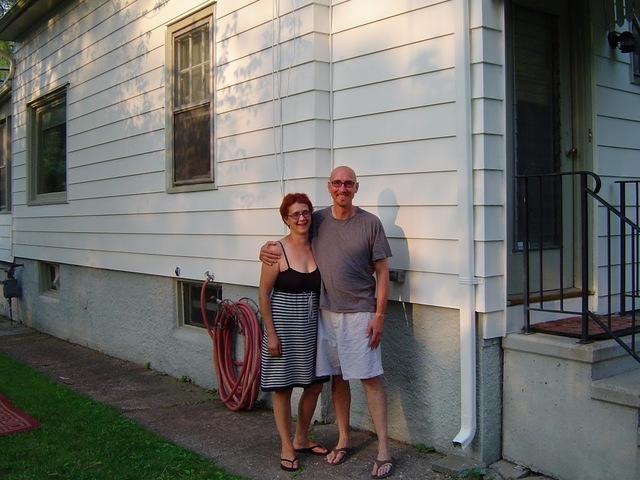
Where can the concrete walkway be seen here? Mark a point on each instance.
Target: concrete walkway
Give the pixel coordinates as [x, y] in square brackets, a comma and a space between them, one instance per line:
[241, 443]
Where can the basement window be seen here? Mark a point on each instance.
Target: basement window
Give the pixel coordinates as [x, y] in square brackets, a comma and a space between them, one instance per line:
[49, 277]
[189, 302]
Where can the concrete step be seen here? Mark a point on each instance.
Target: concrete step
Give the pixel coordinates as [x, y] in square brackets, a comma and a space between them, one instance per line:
[621, 389]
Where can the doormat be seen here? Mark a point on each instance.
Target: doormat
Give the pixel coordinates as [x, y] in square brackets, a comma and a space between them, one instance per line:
[572, 327]
[13, 420]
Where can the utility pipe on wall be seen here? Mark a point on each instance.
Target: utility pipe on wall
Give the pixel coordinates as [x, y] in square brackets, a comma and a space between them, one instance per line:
[467, 277]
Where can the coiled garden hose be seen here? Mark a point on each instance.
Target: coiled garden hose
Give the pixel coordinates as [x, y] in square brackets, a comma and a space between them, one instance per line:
[238, 381]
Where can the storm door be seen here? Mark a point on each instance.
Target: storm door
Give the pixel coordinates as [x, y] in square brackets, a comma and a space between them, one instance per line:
[540, 141]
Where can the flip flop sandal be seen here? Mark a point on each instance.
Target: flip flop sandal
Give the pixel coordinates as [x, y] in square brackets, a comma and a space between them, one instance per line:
[315, 449]
[381, 463]
[342, 454]
[289, 468]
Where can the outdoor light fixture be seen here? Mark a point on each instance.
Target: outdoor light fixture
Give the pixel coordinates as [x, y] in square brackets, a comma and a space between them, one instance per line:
[625, 40]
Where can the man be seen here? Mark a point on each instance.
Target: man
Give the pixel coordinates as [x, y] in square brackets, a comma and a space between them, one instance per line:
[349, 244]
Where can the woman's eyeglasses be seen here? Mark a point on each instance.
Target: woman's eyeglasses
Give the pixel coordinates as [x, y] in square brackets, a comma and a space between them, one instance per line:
[296, 215]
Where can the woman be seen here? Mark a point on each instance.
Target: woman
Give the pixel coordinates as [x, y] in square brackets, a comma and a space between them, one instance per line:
[289, 292]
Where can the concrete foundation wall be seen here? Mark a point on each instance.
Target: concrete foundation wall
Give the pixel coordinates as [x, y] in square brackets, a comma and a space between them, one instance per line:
[134, 317]
[551, 422]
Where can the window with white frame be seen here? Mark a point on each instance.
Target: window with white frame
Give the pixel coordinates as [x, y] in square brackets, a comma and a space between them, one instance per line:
[190, 106]
[5, 162]
[47, 123]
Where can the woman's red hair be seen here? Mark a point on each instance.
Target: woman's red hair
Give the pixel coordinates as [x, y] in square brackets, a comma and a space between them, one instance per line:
[291, 198]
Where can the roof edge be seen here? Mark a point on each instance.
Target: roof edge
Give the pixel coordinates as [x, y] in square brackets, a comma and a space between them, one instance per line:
[24, 15]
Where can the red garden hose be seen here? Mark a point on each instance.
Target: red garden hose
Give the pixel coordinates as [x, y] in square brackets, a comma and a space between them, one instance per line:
[238, 381]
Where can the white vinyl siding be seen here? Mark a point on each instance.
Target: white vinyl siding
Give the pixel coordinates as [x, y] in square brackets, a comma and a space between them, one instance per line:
[119, 215]
[395, 124]
[617, 148]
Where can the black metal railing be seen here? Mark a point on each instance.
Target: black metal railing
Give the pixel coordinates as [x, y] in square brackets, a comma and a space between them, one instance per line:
[549, 188]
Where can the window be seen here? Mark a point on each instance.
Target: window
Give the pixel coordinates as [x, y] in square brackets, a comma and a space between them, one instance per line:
[49, 277]
[5, 159]
[190, 115]
[189, 302]
[48, 148]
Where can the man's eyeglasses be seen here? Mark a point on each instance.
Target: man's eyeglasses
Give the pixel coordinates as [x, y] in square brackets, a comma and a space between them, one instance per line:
[346, 183]
[296, 215]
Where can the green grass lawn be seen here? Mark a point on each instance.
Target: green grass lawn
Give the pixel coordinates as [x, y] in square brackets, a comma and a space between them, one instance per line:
[82, 439]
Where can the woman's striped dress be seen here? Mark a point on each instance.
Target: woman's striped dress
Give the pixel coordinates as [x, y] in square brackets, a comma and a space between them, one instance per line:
[294, 309]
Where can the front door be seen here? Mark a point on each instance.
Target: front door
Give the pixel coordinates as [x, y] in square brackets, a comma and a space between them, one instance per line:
[541, 141]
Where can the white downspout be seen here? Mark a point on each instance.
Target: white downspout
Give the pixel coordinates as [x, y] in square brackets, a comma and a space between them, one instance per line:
[465, 214]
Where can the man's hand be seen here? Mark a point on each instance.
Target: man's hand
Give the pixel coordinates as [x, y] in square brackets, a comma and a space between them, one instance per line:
[374, 330]
[270, 253]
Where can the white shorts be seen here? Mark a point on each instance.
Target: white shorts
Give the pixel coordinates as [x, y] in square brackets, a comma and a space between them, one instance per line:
[343, 346]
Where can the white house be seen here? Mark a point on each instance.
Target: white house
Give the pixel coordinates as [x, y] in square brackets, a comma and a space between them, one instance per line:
[152, 140]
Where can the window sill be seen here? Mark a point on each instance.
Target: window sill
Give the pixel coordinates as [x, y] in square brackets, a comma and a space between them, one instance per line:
[46, 201]
[199, 187]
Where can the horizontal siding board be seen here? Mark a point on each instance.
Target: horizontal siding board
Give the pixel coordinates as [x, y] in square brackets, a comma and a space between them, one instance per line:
[354, 13]
[487, 116]
[487, 80]
[226, 271]
[487, 45]
[236, 223]
[427, 222]
[266, 195]
[618, 132]
[202, 246]
[417, 156]
[302, 78]
[132, 108]
[295, 108]
[411, 27]
[409, 92]
[130, 185]
[122, 167]
[413, 59]
[615, 75]
[243, 19]
[488, 152]
[441, 290]
[131, 127]
[119, 148]
[414, 124]
[614, 161]
[416, 189]
[616, 103]
[488, 187]
[435, 256]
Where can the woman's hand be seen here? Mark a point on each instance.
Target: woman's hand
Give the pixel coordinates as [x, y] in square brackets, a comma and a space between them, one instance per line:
[275, 349]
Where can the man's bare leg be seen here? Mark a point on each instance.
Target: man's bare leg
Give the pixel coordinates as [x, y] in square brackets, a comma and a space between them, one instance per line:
[341, 395]
[377, 403]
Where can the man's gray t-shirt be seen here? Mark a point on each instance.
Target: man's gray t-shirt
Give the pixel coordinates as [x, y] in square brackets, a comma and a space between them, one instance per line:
[345, 251]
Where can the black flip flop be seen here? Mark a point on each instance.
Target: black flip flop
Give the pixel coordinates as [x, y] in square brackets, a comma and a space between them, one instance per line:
[290, 468]
[381, 463]
[313, 450]
[343, 458]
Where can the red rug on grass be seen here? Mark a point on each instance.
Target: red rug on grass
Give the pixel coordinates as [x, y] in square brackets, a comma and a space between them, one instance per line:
[13, 420]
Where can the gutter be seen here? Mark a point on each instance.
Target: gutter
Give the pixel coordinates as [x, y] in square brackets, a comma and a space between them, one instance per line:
[467, 278]
[24, 16]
